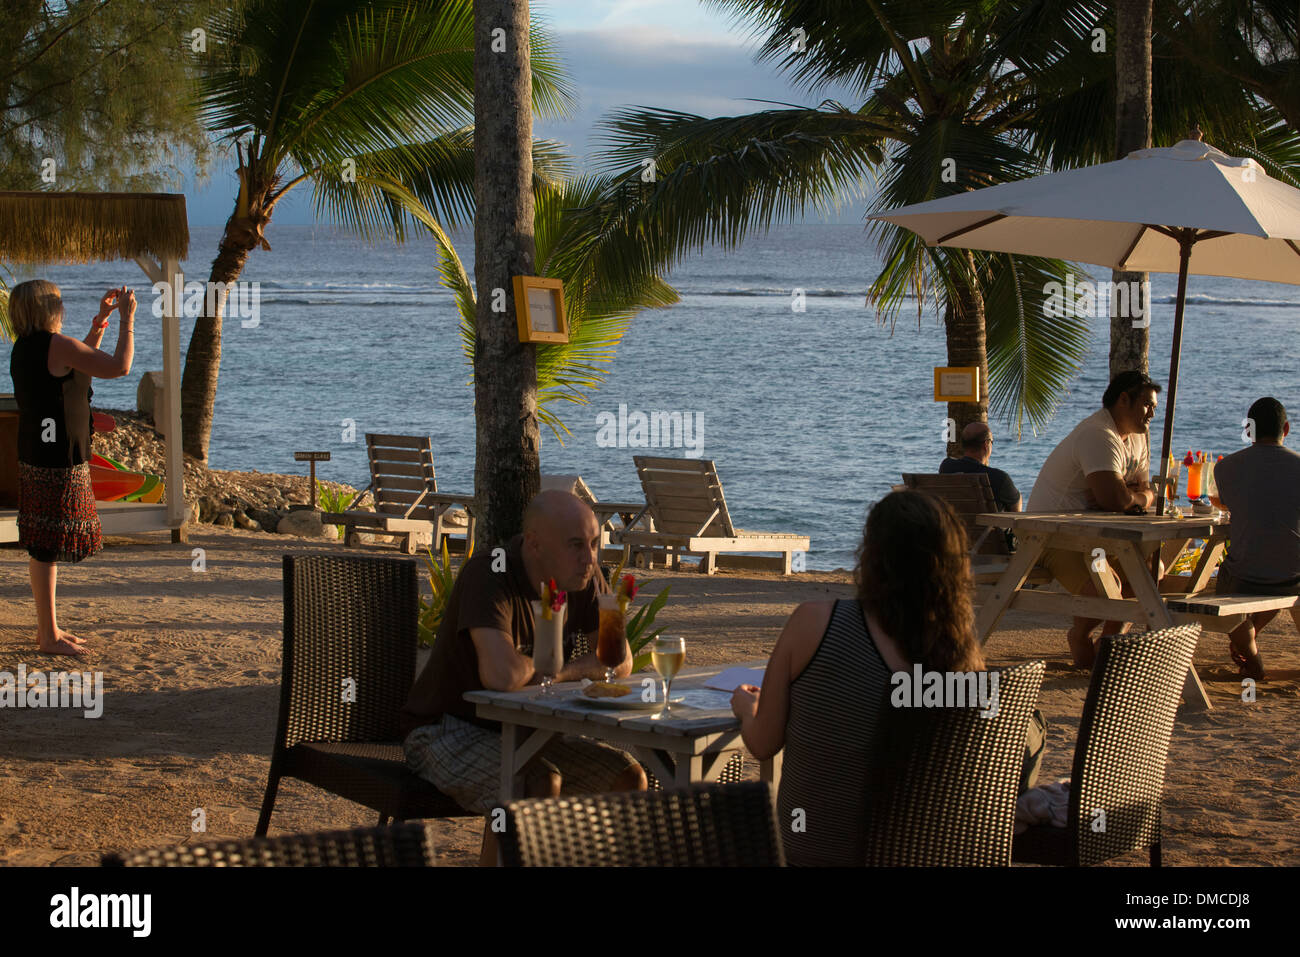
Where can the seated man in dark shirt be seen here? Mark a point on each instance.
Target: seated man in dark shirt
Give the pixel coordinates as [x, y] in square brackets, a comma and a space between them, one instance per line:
[485, 641]
[1260, 486]
[977, 446]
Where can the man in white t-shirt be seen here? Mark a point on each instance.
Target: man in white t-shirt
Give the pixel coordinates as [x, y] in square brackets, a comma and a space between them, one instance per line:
[1104, 464]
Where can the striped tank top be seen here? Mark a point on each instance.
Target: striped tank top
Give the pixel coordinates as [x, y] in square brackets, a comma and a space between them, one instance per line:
[829, 734]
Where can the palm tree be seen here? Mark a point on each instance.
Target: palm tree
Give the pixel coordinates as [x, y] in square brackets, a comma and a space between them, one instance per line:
[1110, 78]
[328, 92]
[1129, 341]
[941, 113]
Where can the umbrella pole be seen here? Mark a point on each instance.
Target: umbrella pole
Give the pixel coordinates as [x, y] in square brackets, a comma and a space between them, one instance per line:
[1185, 242]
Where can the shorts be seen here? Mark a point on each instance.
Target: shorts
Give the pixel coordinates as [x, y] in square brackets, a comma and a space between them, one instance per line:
[57, 518]
[1071, 569]
[463, 761]
[1229, 583]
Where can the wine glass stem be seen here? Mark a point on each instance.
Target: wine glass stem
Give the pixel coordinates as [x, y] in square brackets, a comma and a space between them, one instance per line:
[668, 690]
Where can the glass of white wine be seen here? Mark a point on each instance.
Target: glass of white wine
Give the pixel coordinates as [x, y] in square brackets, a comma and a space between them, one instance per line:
[668, 655]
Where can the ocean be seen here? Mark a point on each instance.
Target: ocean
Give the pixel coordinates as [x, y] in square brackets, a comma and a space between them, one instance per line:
[810, 416]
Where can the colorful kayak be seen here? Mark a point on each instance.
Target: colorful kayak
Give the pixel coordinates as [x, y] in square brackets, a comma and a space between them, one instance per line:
[112, 482]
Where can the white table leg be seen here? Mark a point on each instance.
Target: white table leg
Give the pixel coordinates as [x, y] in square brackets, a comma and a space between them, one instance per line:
[516, 751]
[1158, 616]
[1022, 562]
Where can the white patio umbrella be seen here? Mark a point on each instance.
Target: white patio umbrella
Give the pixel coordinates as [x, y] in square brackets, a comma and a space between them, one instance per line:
[1187, 209]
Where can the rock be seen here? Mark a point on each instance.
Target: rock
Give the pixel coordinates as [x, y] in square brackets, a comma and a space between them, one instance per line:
[267, 519]
[456, 518]
[209, 508]
[225, 520]
[306, 523]
[243, 521]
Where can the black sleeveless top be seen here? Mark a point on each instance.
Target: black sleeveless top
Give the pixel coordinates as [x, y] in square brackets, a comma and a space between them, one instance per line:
[829, 735]
[54, 425]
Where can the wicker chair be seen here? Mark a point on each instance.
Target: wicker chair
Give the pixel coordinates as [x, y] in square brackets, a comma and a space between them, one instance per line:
[709, 825]
[401, 845]
[1119, 759]
[349, 662]
[944, 780]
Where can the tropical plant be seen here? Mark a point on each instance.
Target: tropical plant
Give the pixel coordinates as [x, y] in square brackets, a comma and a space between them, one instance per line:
[637, 628]
[333, 500]
[334, 93]
[441, 581]
[940, 114]
[599, 304]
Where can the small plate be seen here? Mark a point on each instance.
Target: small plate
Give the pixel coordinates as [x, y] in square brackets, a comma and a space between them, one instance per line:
[628, 702]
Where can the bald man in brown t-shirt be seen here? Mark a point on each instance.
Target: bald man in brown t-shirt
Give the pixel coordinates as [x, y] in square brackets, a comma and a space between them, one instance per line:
[485, 641]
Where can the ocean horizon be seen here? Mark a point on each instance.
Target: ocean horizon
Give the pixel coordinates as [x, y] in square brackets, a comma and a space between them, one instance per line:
[810, 416]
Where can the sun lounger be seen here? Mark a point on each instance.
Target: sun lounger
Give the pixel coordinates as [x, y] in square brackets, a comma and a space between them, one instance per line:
[407, 501]
[684, 499]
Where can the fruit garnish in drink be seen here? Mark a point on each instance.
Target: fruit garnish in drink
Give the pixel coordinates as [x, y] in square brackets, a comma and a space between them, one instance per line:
[626, 592]
[558, 600]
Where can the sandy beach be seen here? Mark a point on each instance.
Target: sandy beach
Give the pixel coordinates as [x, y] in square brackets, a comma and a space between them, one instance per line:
[191, 664]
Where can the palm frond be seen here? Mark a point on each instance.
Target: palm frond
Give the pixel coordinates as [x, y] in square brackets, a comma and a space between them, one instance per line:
[1033, 349]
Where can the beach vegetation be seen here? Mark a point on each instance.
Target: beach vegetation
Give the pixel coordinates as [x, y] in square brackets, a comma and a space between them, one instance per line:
[599, 302]
[442, 579]
[332, 95]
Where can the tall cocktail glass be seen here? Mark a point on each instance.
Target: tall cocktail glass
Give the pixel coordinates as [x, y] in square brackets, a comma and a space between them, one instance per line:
[548, 645]
[611, 634]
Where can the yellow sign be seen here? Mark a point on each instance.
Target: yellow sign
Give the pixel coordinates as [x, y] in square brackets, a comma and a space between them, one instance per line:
[539, 308]
[956, 384]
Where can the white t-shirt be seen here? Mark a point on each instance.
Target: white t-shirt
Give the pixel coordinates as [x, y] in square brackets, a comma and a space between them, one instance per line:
[1095, 445]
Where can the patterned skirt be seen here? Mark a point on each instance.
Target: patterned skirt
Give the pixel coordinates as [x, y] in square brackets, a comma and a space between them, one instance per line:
[57, 519]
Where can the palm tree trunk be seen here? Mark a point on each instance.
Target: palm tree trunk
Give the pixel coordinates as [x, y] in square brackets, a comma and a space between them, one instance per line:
[203, 356]
[506, 471]
[963, 319]
[1129, 344]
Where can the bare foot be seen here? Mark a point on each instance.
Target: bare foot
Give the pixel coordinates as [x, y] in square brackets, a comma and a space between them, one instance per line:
[60, 646]
[68, 636]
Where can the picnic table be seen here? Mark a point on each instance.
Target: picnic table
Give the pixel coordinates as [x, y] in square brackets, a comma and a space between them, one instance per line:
[1126, 541]
[693, 744]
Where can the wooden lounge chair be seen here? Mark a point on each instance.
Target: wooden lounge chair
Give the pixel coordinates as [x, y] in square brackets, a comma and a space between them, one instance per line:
[399, 845]
[685, 501]
[709, 825]
[1120, 752]
[407, 501]
[944, 780]
[971, 494]
[350, 635]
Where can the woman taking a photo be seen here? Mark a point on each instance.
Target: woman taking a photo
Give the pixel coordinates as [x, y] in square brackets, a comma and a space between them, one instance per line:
[57, 520]
[832, 666]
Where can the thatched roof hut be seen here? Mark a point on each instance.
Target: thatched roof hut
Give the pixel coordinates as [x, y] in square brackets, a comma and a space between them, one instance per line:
[44, 227]
[152, 230]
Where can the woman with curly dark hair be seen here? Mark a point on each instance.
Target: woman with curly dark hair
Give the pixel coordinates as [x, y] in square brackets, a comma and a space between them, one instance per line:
[57, 519]
[832, 668]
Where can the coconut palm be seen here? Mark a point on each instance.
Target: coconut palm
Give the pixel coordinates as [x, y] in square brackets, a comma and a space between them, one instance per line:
[599, 302]
[940, 114]
[327, 92]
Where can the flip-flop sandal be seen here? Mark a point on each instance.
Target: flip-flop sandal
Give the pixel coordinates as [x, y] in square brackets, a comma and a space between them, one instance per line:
[1238, 658]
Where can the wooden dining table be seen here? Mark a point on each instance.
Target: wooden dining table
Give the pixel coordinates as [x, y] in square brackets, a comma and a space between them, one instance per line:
[1106, 538]
[693, 744]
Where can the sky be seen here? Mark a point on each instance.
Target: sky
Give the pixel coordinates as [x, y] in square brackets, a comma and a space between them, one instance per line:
[679, 54]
